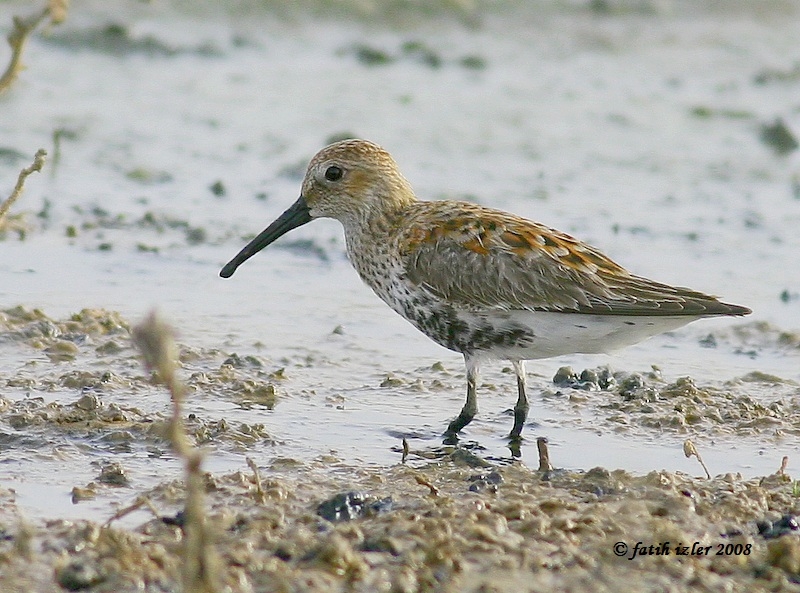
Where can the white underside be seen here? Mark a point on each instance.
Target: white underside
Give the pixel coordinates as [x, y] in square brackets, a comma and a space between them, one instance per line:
[557, 334]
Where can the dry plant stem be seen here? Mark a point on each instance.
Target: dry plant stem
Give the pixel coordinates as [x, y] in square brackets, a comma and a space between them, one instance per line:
[56, 10]
[154, 339]
[423, 481]
[57, 135]
[689, 449]
[141, 501]
[197, 571]
[544, 455]
[23, 542]
[261, 497]
[16, 39]
[38, 163]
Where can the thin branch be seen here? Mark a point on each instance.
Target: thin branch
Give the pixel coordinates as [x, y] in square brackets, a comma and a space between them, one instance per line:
[155, 340]
[23, 27]
[544, 455]
[690, 450]
[260, 494]
[38, 163]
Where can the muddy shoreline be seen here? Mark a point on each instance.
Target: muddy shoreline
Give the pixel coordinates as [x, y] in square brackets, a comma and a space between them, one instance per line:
[446, 519]
[434, 531]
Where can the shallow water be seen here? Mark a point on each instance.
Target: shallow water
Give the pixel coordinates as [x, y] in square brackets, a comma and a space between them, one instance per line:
[636, 131]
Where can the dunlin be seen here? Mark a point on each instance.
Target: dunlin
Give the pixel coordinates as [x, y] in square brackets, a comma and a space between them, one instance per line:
[482, 282]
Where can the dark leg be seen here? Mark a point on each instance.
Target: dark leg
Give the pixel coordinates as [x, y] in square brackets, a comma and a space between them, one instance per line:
[521, 407]
[471, 406]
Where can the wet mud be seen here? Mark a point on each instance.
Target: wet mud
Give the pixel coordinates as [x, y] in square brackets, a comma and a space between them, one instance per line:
[443, 519]
[428, 529]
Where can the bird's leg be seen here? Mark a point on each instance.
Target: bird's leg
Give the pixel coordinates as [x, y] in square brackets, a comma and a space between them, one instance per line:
[521, 407]
[471, 406]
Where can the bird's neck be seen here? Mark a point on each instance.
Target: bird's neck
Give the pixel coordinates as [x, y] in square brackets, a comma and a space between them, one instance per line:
[372, 241]
[382, 218]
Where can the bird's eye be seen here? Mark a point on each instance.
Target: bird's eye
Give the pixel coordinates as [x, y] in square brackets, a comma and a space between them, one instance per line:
[333, 173]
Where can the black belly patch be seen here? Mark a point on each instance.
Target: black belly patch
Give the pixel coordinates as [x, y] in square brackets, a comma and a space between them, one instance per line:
[489, 338]
[444, 326]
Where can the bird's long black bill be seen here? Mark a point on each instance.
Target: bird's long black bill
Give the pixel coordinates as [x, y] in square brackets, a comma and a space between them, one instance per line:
[297, 215]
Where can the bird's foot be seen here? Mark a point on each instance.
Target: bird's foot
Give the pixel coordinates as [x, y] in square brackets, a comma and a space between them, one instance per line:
[450, 438]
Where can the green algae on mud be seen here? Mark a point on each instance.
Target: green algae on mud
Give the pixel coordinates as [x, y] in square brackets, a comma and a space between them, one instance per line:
[533, 531]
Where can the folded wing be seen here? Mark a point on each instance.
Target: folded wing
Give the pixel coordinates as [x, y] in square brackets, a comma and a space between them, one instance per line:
[477, 258]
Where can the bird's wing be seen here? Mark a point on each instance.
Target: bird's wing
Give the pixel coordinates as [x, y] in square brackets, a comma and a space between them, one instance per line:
[478, 258]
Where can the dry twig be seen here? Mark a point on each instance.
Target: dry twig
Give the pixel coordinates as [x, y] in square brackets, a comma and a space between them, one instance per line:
[141, 501]
[56, 10]
[689, 449]
[544, 455]
[261, 496]
[38, 163]
[423, 481]
[155, 340]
